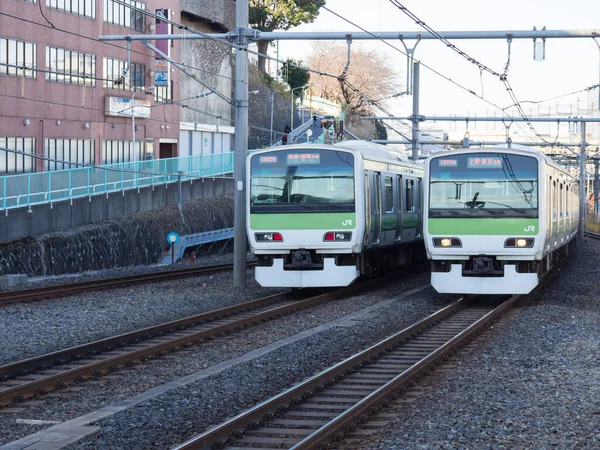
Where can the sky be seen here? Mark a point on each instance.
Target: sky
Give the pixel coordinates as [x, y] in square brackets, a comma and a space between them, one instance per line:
[570, 64]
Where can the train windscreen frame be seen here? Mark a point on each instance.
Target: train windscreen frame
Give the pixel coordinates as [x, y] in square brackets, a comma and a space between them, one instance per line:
[486, 184]
[302, 181]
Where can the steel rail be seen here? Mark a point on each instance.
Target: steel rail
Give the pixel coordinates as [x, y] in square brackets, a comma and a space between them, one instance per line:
[109, 283]
[592, 234]
[197, 331]
[245, 428]
[42, 362]
[98, 367]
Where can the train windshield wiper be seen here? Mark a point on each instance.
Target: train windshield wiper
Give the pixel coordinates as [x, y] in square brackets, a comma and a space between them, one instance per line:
[522, 211]
[491, 211]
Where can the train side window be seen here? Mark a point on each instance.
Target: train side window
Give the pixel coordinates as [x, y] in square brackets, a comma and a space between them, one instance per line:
[388, 195]
[377, 187]
[554, 196]
[410, 202]
[399, 189]
[561, 201]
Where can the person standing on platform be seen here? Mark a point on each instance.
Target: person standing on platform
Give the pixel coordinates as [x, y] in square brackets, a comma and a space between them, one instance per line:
[287, 130]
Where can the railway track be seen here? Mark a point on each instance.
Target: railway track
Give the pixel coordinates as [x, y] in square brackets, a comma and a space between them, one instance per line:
[592, 235]
[47, 292]
[349, 400]
[26, 379]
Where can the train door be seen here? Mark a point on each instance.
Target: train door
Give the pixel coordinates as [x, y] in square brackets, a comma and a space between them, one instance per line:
[419, 207]
[410, 218]
[375, 201]
[568, 208]
[554, 216]
[388, 213]
[398, 205]
[368, 221]
[560, 209]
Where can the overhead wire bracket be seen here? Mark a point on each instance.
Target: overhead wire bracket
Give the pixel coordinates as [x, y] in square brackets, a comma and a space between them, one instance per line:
[410, 54]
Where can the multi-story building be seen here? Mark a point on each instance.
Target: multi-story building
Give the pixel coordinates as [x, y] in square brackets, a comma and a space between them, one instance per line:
[67, 97]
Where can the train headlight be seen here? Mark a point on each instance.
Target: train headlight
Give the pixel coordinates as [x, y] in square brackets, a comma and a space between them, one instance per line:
[447, 242]
[519, 243]
[337, 236]
[268, 237]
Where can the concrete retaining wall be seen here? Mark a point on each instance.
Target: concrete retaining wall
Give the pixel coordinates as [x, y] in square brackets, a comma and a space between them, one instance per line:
[124, 241]
[21, 223]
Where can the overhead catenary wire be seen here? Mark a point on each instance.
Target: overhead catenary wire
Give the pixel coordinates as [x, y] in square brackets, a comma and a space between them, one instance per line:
[148, 55]
[79, 107]
[271, 58]
[482, 67]
[471, 91]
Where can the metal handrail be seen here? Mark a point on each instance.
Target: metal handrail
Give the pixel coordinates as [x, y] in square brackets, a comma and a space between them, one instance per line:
[24, 190]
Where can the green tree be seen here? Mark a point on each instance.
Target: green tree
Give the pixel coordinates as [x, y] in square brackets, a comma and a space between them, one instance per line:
[271, 15]
[380, 130]
[293, 75]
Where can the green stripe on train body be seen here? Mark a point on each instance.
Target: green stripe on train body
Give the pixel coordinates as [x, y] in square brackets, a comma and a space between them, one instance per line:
[488, 227]
[389, 223]
[409, 221]
[303, 221]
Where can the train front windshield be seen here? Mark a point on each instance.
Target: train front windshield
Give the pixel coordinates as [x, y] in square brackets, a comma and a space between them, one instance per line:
[302, 181]
[483, 185]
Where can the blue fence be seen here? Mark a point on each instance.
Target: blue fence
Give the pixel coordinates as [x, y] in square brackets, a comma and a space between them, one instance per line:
[17, 191]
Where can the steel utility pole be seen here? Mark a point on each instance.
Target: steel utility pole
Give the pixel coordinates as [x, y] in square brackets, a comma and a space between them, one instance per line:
[582, 181]
[415, 116]
[241, 145]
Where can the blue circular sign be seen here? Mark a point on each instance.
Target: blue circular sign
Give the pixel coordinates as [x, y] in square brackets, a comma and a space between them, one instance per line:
[172, 238]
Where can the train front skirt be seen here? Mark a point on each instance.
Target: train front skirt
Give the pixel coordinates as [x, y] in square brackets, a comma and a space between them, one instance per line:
[511, 283]
[330, 276]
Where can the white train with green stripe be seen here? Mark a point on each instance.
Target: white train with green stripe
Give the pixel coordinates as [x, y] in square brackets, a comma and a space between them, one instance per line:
[496, 219]
[322, 215]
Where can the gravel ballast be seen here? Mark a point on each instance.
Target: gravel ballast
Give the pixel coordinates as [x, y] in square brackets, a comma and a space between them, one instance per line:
[511, 393]
[215, 398]
[536, 385]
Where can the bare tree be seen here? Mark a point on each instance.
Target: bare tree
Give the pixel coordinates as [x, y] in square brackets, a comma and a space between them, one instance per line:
[367, 77]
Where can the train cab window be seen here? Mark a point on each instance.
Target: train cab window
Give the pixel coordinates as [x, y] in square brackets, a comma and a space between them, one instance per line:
[301, 181]
[389, 195]
[410, 201]
[483, 184]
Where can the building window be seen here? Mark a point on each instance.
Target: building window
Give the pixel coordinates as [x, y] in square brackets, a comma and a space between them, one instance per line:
[16, 55]
[115, 152]
[66, 153]
[70, 66]
[17, 154]
[126, 16]
[116, 75]
[163, 94]
[85, 8]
